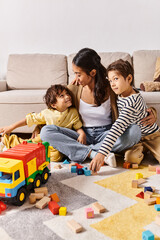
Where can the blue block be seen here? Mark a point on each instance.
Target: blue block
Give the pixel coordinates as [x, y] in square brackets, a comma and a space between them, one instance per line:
[87, 172]
[80, 171]
[148, 189]
[73, 169]
[147, 235]
[66, 162]
[157, 207]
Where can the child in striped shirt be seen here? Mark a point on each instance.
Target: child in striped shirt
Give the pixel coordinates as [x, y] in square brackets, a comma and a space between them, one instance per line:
[132, 109]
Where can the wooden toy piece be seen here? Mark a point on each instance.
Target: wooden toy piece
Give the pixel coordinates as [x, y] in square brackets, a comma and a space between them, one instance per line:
[54, 197]
[158, 200]
[98, 207]
[57, 166]
[32, 199]
[80, 171]
[74, 226]
[141, 181]
[78, 165]
[157, 220]
[87, 172]
[158, 170]
[66, 162]
[135, 165]
[147, 235]
[54, 207]
[147, 195]
[157, 207]
[152, 168]
[3, 206]
[153, 188]
[37, 195]
[134, 183]
[62, 211]
[43, 202]
[148, 189]
[139, 175]
[73, 169]
[89, 212]
[126, 165]
[150, 201]
[42, 190]
[140, 195]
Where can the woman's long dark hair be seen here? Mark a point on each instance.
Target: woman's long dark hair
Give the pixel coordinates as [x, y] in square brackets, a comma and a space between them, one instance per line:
[88, 59]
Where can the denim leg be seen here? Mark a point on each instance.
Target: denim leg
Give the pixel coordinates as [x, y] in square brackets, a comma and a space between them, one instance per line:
[65, 141]
[129, 138]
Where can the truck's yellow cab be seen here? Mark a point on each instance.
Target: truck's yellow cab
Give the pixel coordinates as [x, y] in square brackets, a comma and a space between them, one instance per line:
[11, 175]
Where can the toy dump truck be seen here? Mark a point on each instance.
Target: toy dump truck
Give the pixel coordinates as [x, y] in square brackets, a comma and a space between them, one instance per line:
[23, 167]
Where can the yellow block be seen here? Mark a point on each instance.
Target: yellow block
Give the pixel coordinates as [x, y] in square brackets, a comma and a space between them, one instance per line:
[62, 211]
[139, 175]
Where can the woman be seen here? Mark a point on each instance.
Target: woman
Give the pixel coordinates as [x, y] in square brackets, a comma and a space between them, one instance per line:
[96, 104]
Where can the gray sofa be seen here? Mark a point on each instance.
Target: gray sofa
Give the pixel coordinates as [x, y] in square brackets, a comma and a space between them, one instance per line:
[29, 75]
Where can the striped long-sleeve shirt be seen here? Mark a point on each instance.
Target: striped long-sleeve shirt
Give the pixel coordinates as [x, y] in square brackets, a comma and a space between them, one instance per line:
[131, 110]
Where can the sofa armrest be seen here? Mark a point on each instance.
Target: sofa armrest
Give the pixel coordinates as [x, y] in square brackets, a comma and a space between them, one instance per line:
[3, 85]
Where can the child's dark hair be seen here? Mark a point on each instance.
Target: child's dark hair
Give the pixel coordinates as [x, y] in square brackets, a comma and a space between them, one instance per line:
[88, 59]
[123, 67]
[53, 92]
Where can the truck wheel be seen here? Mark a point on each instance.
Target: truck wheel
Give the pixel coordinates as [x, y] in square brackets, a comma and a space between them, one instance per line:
[37, 181]
[45, 175]
[21, 196]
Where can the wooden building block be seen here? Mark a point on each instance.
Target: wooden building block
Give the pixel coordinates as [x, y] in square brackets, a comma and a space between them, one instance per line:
[54, 197]
[150, 201]
[43, 202]
[98, 207]
[89, 212]
[74, 226]
[152, 168]
[62, 211]
[134, 183]
[139, 175]
[37, 195]
[141, 181]
[158, 200]
[157, 220]
[32, 199]
[126, 165]
[147, 235]
[158, 170]
[135, 165]
[147, 195]
[41, 190]
[54, 207]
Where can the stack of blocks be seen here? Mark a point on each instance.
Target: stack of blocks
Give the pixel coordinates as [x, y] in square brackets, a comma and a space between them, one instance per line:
[79, 169]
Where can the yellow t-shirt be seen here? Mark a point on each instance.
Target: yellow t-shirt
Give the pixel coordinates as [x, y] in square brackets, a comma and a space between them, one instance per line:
[68, 119]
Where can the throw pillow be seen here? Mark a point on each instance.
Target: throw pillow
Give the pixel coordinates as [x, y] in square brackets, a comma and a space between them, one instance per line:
[157, 71]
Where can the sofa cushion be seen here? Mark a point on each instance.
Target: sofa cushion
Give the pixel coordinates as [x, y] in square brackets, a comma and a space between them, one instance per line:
[106, 59]
[22, 96]
[36, 71]
[144, 63]
[157, 71]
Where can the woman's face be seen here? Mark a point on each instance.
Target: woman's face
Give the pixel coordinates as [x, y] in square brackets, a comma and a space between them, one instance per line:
[81, 77]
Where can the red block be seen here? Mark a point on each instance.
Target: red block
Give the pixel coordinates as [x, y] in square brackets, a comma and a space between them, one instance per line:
[78, 165]
[140, 195]
[126, 165]
[54, 207]
[2, 206]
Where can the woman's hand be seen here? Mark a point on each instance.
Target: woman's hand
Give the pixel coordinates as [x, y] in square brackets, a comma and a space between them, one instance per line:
[150, 119]
[97, 162]
[6, 129]
[74, 82]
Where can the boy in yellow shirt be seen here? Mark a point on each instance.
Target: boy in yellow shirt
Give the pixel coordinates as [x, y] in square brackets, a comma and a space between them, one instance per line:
[59, 112]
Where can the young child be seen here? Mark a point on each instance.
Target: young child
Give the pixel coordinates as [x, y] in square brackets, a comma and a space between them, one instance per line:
[60, 113]
[132, 109]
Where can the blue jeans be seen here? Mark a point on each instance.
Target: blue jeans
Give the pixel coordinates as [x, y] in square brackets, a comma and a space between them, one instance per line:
[65, 140]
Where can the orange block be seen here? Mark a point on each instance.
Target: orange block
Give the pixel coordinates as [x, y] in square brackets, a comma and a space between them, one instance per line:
[158, 200]
[126, 165]
[54, 197]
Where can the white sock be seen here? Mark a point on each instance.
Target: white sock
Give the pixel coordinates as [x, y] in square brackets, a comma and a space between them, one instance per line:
[92, 154]
[111, 160]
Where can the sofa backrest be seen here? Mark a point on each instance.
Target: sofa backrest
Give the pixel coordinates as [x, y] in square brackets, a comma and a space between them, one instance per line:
[106, 59]
[144, 63]
[36, 71]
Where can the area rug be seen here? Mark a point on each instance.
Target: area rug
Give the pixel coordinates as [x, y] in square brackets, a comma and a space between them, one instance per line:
[126, 216]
